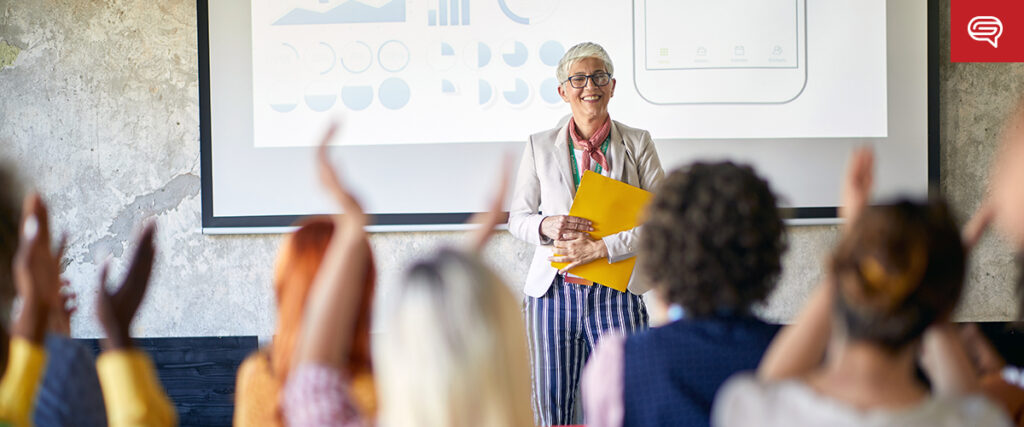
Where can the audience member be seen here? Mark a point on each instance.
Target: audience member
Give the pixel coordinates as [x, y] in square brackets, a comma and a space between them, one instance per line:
[711, 247]
[453, 351]
[897, 271]
[262, 375]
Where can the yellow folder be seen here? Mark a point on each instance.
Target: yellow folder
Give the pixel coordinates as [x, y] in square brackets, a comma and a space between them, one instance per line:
[612, 206]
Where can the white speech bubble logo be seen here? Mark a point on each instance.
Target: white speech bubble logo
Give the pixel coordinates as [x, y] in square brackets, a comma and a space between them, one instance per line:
[985, 29]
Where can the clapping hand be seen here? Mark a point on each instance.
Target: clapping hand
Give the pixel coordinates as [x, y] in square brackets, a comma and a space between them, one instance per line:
[36, 271]
[116, 310]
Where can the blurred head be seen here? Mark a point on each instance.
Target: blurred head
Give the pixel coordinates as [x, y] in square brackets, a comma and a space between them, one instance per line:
[453, 353]
[899, 269]
[297, 263]
[589, 99]
[10, 218]
[713, 239]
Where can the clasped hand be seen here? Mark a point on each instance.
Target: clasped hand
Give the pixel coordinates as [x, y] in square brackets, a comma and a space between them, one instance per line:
[573, 245]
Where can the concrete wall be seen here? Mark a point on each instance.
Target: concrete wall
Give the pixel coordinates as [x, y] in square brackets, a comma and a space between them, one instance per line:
[99, 111]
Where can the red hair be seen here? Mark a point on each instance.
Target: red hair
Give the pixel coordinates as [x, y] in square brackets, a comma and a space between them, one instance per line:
[295, 270]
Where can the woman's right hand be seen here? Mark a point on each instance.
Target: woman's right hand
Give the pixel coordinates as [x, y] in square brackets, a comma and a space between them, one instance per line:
[556, 226]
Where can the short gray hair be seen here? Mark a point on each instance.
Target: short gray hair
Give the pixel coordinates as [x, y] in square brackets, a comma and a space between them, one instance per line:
[579, 52]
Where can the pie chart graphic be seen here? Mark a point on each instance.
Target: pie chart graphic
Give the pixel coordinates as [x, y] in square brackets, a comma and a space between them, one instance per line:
[442, 56]
[551, 52]
[549, 91]
[394, 93]
[356, 57]
[393, 56]
[476, 55]
[514, 54]
[320, 96]
[284, 98]
[357, 98]
[518, 94]
[321, 58]
[485, 92]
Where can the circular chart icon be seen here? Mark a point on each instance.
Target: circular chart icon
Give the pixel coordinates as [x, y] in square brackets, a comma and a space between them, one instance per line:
[283, 62]
[485, 93]
[393, 56]
[518, 93]
[441, 56]
[356, 57]
[514, 53]
[357, 97]
[321, 58]
[284, 97]
[528, 12]
[394, 93]
[549, 91]
[551, 52]
[476, 55]
[320, 96]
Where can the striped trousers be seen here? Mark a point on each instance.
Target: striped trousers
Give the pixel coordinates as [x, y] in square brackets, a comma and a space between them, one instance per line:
[563, 327]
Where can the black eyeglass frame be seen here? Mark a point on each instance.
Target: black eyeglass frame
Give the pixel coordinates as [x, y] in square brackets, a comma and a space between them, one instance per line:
[589, 78]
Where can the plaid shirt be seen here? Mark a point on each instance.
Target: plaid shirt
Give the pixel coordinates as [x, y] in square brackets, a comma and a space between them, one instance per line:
[317, 395]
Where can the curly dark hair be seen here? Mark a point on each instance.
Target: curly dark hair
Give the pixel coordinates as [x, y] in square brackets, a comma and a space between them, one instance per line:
[713, 239]
[899, 269]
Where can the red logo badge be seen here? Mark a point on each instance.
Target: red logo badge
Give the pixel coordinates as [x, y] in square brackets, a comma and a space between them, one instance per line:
[987, 31]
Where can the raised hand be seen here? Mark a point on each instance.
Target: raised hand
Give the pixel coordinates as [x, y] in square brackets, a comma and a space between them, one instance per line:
[116, 310]
[353, 219]
[496, 214]
[332, 307]
[36, 271]
[857, 185]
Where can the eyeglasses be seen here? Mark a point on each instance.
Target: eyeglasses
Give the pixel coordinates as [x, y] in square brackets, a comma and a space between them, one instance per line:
[580, 81]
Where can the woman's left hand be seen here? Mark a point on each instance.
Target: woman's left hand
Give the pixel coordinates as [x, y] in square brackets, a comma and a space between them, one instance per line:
[577, 249]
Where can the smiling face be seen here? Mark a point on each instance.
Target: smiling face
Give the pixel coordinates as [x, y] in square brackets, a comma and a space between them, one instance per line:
[590, 102]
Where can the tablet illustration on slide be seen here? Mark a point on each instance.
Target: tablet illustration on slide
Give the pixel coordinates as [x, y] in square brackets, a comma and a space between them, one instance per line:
[720, 52]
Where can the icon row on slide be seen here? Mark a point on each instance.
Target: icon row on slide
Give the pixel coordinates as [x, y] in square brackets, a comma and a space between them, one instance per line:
[518, 93]
[355, 57]
[478, 55]
[393, 93]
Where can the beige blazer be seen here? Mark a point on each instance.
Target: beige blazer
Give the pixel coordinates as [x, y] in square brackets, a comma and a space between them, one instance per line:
[544, 187]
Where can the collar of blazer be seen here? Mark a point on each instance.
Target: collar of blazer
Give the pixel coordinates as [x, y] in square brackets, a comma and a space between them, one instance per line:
[616, 156]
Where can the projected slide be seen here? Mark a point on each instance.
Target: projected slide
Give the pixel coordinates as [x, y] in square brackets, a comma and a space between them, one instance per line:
[439, 71]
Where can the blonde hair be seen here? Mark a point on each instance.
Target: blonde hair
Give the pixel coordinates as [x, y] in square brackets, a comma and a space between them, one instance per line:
[453, 353]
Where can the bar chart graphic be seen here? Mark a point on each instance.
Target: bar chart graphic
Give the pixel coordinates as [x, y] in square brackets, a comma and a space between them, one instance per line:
[449, 13]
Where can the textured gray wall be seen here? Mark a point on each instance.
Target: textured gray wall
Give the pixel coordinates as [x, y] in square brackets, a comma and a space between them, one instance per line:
[99, 111]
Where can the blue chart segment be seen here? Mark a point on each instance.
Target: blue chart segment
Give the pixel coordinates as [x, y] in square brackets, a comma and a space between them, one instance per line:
[485, 92]
[357, 97]
[483, 55]
[549, 91]
[394, 93]
[512, 15]
[517, 57]
[320, 96]
[447, 86]
[449, 12]
[350, 12]
[519, 95]
[551, 52]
